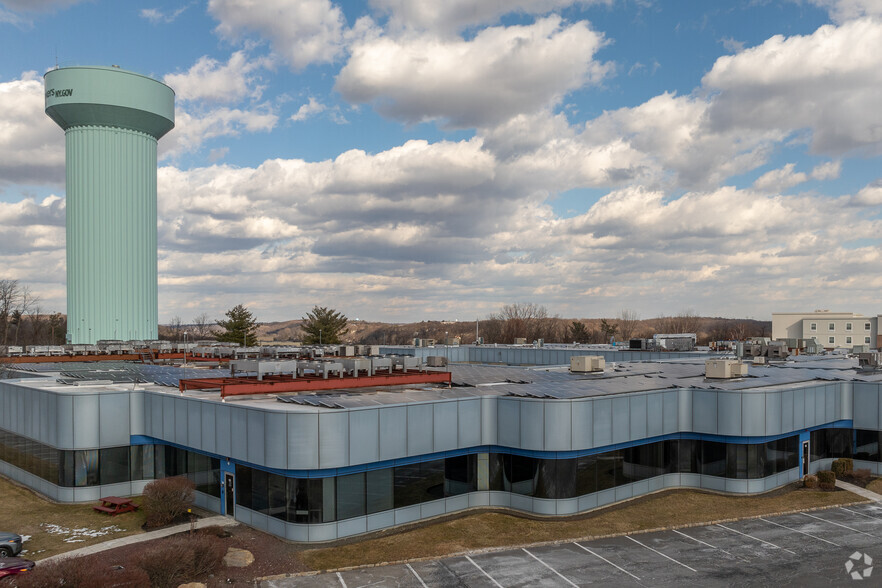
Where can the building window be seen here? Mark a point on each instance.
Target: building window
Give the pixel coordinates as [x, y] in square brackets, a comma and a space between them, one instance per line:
[813, 327]
[831, 340]
[847, 326]
[866, 326]
[848, 339]
[831, 327]
[866, 340]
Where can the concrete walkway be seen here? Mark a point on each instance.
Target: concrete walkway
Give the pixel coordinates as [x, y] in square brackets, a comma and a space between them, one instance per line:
[149, 536]
[859, 491]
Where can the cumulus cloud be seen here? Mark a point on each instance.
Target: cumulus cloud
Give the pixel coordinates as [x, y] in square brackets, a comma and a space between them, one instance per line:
[193, 129]
[827, 171]
[18, 12]
[156, 16]
[212, 81]
[779, 180]
[869, 195]
[498, 74]
[337, 223]
[824, 85]
[28, 225]
[303, 32]
[670, 135]
[37, 5]
[456, 15]
[843, 10]
[309, 109]
[827, 82]
[31, 145]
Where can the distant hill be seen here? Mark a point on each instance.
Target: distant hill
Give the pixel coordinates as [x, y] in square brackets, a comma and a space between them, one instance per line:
[368, 332]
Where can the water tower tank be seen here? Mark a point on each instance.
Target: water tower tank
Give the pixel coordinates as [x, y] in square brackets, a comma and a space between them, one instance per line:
[112, 120]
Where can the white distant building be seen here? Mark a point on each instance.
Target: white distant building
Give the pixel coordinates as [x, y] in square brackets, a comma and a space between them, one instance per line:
[831, 329]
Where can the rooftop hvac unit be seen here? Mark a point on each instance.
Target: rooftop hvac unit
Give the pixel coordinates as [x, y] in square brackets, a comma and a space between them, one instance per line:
[581, 364]
[520, 341]
[870, 361]
[724, 369]
[436, 361]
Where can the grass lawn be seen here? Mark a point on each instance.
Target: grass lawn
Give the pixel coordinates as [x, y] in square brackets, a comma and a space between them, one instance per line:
[55, 528]
[675, 507]
[875, 486]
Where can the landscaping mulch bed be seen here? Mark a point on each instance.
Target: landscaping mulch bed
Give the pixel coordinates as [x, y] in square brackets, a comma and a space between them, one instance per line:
[271, 556]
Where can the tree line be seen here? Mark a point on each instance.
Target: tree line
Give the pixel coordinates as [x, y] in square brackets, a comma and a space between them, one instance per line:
[22, 319]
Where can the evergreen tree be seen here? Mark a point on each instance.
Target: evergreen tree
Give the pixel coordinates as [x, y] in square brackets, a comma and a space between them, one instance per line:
[578, 332]
[323, 325]
[241, 327]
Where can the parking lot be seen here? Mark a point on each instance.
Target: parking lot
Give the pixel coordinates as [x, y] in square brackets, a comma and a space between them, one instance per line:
[805, 549]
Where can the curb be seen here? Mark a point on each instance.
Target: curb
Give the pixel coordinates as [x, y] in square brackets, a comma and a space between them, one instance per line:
[556, 542]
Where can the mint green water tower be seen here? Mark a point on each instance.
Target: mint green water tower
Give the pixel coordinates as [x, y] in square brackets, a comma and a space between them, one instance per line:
[112, 120]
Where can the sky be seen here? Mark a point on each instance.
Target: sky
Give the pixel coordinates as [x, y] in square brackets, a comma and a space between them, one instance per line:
[407, 160]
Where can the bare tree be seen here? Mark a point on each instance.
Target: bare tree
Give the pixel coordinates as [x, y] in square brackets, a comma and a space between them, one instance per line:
[27, 307]
[523, 320]
[628, 323]
[737, 330]
[686, 321]
[57, 327]
[202, 326]
[9, 294]
[176, 326]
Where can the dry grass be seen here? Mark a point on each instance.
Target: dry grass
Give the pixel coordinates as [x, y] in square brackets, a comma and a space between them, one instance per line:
[875, 486]
[26, 513]
[676, 507]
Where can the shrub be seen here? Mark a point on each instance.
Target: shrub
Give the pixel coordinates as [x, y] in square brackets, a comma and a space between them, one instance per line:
[165, 567]
[82, 572]
[861, 476]
[182, 559]
[826, 480]
[208, 553]
[810, 481]
[215, 531]
[842, 466]
[167, 499]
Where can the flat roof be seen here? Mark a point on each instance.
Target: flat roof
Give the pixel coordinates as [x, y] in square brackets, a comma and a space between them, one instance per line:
[468, 381]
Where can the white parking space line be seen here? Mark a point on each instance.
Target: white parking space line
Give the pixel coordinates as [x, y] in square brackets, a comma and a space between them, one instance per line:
[837, 524]
[607, 561]
[342, 583]
[859, 513]
[561, 576]
[708, 544]
[489, 577]
[661, 554]
[801, 532]
[757, 539]
[413, 571]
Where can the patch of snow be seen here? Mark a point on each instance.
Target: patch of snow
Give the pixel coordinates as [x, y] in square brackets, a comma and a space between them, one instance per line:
[25, 538]
[80, 534]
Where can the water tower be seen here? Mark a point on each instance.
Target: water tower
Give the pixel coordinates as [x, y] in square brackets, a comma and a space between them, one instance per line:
[112, 120]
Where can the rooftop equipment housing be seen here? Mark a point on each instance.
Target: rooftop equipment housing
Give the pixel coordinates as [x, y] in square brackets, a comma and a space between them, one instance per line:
[724, 369]
[112, 120]
[580, 364]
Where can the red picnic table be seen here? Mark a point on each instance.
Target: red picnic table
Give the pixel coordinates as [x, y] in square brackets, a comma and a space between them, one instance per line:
[114, 505]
